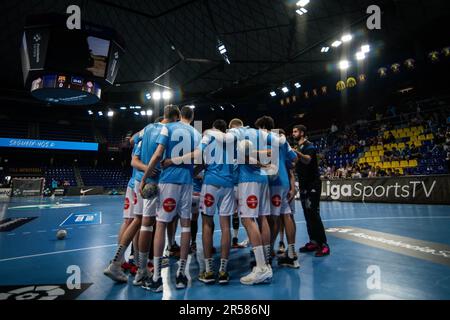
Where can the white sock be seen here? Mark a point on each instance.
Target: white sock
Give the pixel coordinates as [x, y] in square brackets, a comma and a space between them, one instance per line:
[267, 251]
[223, 265]
[259, 256]
[182, 266]
[208, 264]
[143, 257]
[156, 268]
[291, 250]
[119, 256]
[235, 233]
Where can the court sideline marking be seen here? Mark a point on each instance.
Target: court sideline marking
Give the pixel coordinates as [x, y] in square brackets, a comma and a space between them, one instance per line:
[298, 222]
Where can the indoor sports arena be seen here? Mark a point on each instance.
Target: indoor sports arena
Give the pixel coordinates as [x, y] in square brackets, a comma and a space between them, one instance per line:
[234, 150]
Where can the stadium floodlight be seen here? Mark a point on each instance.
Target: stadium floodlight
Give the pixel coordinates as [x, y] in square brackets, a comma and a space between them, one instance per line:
[325, 49]
[149, 113]
[90, 112]
[143, 113]
[156, 95]
[360, 56]
[223, 51]
[123, 108]
[297, 85]
[110, 114]
[285, 89]
[192, 107]
[222, 108]
[365, 48]
[347, 37]
[148, 96]
[344, 64]
[336, 44]
[100, 113]
[166, 95]
[136, 113]
[273, 94]
[301, 11]
[302, 3]
[138, 107]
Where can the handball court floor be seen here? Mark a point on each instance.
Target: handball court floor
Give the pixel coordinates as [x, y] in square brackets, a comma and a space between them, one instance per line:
[31, 258]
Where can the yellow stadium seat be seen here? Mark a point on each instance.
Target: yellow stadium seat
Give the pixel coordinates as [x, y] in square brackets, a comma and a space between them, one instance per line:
[394, 145]
[421, 137]
[367, 154]
[362, 160]
[380, 153]
[376, 159]
[400, 170]
[412, 163]
[420, 129]
[401, 146]
[395, 164]
[386, 165]
[404, 164]
[379, 164]
[369, 159]
[375, 153]
[373, 148]
[430, 136]
[380, 148]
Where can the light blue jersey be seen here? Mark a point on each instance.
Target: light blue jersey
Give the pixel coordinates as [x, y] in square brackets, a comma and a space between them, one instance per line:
[148, 148]
[286, 155]
[260, 140]
[179, 139]
[136, 139]
[219, 161]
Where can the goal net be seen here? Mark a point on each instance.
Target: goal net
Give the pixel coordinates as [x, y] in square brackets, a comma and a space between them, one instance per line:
[27, 187]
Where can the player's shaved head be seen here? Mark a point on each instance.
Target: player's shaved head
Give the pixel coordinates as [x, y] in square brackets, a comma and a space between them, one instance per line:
[236, 123]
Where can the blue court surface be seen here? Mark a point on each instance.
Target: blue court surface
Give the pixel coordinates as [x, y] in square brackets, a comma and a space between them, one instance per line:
[31, 258]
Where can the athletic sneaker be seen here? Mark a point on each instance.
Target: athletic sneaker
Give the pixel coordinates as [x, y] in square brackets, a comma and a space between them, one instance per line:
[224, 277]
[281, 248]
[141, 275]
[207, 277]
[165, 262]
[258, 275]
[285, 261]
[174, 250]
[309, 247]
[155, 286]
[115, 273]
[323, 251]
[181, 281]
[253, 263]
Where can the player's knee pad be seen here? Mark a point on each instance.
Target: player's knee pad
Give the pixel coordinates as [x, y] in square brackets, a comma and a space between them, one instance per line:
[146, 228]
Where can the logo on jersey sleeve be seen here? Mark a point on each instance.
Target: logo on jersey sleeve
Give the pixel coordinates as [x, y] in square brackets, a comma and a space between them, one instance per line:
[169, 205]
[252, 202]
[209, 200]
[276, 200]
[127, 203]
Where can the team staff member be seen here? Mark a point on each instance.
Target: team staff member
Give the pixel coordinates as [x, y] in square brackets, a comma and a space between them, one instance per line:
[307, 170]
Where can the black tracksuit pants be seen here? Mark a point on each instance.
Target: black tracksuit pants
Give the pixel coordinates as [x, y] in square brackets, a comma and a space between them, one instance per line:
[310, 198]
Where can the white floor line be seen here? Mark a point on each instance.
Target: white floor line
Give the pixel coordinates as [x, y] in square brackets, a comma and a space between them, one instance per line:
[57, 252]
[298, 222]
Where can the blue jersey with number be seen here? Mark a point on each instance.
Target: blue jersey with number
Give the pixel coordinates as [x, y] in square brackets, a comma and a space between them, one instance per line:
[218, 158]
[148, 148]
[179, 139]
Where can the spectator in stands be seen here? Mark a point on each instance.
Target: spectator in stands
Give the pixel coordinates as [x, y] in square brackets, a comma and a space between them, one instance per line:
[66, 184]
[406, 152]
[387, 155]
[389, 172]
[389, 139]
[415, 152]
[396, 173]
[396, 156]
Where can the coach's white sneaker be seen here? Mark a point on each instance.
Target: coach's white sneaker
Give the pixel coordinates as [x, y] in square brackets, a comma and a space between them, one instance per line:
[115, 272]
[258, 275]
[141, 275]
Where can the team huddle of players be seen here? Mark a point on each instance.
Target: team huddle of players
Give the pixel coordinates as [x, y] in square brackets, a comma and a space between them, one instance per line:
[231, 171]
